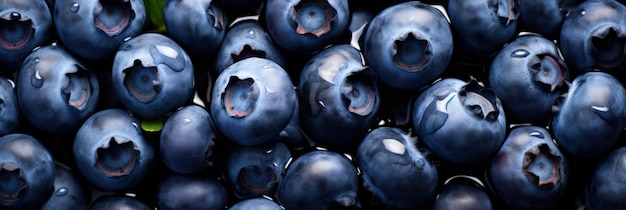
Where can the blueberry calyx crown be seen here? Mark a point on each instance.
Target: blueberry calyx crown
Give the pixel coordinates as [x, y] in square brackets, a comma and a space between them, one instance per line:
[113, 16]
[480, 101]
[313, 17]
[117, 157]
[540, 165]
[16, 30]
[12, 184]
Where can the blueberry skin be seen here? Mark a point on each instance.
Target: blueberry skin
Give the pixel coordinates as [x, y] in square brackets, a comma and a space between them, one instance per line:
[258, 203]
[178, 191]
[305, 26]
[409, 180]
[24, 25]
[252, 101]
[594, 36]
[10, 117]
[460, 122]
[152, 75]
[69, 193]
[111, 151]
[198, 26]
[592, 115]
[528, 75]
[247, 39]
[187, 140]
[118, 202]
[482, 27]
[26, 172]
[253, 171]
[338, 95]
[54, 86]
[606, 188]
[319, 180]
[408, 45]
[95, 29]
[545, 17]
[529, 171]
[459, 195]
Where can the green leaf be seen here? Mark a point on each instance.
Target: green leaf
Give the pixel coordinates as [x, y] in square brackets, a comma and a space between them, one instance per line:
[154, 8]
[152, 125]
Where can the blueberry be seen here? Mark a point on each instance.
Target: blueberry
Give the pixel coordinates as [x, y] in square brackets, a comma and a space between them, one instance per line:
[94, 29]
[69, 192]
[54, 86]
[528, 75]
[253, 171]
[529, 171]
[408, 45]
[599, 99]
[460, 122]
[258, 203]
[305, 26]
[409, 180]
[594, 36]
[337, 95]
[187, 140]
[545, 17]
[482, 27]
[252, 101]
[245, 39]
[10, 117]
[24, 25]
[26, 172]
[198, 26]
[319, 180]
[111, 152]
[108, 202]
[190, 192]
[463, 192]
[606, 187]
[152, 75]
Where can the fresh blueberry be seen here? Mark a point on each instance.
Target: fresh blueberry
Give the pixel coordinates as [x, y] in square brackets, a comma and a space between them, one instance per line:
[69, 193]
[460, 122]
[606, 188]
[545, 17]
[187, 140]
[256, 170]
[408, 45]
[594, 36]
[10, 117]
[395, 170]
[111, 152]
[337, 95]
[319, 180]
[26, 172]
[528, 75]
[599, 100]
[94, 29]
[252, 101]
[54, 86]
[198, 26]
[152, 75]
[305, 26]
[190, 192]
[24, 25]
[258, 203]
[247, 39]
[463, 192]
[109, 202]
[529, 171]
[482, 27]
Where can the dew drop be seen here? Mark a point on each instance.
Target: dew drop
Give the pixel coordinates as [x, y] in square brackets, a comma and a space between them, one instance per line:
[127, 38]
[520, 53]
[74, 8]
[61, 192]
[37, 75]
[251, 34]
[583, 12]
[37, 60]
[186, 121]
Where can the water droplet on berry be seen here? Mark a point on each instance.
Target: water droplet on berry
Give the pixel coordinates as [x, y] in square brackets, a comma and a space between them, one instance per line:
[61, 192]
[74, 8]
